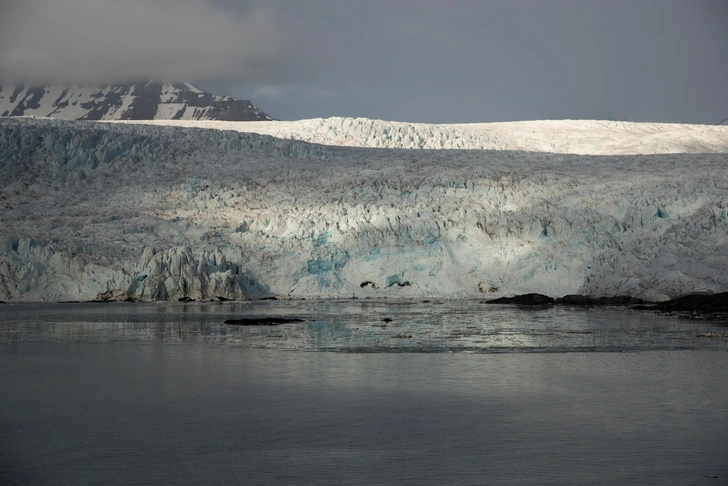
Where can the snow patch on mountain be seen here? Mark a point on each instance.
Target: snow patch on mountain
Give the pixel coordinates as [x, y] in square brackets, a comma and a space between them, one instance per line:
[97, 210]
[134, 101]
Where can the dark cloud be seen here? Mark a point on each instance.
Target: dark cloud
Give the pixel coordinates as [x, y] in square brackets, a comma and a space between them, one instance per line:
[420, 60]
[111, 40]
[410, 60]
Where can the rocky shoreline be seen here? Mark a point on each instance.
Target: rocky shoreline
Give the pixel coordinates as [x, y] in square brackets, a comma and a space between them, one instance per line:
[710, 306]
[694, 306]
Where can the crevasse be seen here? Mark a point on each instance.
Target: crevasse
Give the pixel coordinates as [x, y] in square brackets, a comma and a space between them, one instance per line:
[93, 210]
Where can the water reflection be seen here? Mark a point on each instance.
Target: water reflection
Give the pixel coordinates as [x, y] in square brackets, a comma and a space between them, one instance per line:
[362, 326]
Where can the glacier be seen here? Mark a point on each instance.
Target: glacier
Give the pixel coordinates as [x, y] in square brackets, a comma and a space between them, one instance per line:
[585, 137]
[153, 211]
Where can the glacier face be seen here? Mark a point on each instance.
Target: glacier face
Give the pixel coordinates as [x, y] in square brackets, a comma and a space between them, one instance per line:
[95, 210]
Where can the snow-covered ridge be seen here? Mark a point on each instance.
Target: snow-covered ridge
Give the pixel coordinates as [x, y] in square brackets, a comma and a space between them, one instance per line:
[586, 137]
[133, 101]
[120, 210]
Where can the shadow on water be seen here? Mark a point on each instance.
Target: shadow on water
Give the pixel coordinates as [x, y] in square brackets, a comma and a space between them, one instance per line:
[363, 326]
[166, 393]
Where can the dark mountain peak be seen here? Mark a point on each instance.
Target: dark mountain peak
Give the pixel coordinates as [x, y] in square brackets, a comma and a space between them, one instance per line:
[146, 100]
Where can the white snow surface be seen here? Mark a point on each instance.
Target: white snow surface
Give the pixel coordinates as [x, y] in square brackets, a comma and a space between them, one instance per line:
[100, 210]
[585, 137]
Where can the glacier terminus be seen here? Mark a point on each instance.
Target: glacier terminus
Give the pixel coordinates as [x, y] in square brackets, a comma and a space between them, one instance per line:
[353, 207]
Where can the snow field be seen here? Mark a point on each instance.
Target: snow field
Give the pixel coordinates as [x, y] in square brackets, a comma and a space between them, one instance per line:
[585, 137]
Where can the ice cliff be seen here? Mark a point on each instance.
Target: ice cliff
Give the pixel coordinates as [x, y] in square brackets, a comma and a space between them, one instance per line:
[93, 210]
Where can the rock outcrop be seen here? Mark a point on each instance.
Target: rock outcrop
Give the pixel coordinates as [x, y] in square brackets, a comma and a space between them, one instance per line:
[149, 100]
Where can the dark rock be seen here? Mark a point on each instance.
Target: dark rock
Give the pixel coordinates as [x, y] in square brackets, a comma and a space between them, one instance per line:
[185, 299]
[144, 100]
[712, 303]
[524, 299]
[587, 301]
[3, 302]
[491, 289]
[262, 321]
[368, 283]
[621, 300]
[130, 299]
[578, 300]
[108, 296]
[387, 319]
[643, 307]
[222, 299]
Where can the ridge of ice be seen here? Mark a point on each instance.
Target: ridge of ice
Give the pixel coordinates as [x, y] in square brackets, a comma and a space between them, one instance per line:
[585, 137]
[151, 212]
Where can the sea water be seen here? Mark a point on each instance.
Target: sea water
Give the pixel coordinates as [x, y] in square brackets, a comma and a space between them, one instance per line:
[446, 392]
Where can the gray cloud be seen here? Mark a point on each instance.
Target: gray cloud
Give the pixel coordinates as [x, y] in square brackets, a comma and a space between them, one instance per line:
[409, 60]
[461, 60]
[114, 40]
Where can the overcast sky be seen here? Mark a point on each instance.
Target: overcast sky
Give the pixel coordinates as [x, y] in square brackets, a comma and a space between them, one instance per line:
[407, 60]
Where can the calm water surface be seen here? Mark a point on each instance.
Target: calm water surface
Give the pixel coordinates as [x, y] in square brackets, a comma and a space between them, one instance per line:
[446, 393]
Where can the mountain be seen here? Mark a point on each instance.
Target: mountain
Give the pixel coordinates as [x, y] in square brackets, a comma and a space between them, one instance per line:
[134, 101]
[130, 210]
